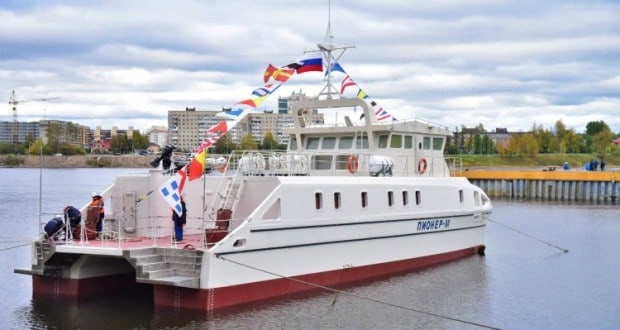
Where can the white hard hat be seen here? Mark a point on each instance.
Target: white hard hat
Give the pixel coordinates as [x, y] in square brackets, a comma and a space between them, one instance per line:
[95, 194]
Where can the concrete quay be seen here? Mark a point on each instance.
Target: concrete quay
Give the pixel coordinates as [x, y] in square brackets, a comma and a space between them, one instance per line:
[547, 183]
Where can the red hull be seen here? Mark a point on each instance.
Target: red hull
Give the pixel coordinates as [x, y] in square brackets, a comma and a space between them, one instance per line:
[219, 298]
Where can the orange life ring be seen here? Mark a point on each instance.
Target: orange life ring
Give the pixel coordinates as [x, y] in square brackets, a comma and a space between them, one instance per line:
[422, 164]
[353, 164]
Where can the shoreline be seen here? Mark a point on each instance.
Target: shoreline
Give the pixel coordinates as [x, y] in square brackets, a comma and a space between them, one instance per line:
[81, 161]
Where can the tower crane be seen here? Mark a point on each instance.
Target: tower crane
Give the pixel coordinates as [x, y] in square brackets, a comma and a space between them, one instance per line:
[13, 101]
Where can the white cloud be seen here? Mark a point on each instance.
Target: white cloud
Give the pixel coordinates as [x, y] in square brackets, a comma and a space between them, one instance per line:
[499, 63]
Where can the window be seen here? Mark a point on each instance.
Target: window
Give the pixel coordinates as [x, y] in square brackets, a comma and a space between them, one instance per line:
[362, 142]
[408, 142]
[318, 200]
[337, 200]
[405, 197]
[418, 198]
[390, 197]
[477, 198]
[329, 142]
[397, 141]
[345, 142]
[427, 143]
[341, 162]
[292, 144]
[461, 197]
[364, 199]
[321, 162]
[312, 143]
[383, 141]
[437, 143]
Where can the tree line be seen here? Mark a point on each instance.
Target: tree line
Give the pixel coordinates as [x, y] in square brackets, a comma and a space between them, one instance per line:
[596, 140]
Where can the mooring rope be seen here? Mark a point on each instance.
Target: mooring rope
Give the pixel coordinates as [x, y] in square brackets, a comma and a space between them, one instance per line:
[357, 295]
[14, 247]
[528, 235]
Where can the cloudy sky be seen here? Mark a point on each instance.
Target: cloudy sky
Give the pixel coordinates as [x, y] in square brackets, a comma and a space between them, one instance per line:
[499, 63]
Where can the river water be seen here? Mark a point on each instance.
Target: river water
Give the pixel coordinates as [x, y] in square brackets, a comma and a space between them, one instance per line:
[523, 282]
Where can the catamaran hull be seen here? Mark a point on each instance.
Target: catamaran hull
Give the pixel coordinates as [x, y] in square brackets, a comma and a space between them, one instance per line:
[238, 295]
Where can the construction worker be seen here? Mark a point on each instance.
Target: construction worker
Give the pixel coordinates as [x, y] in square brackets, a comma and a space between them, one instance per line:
[98, 203]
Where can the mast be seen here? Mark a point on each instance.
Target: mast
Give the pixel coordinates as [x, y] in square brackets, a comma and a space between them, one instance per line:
[327, 48]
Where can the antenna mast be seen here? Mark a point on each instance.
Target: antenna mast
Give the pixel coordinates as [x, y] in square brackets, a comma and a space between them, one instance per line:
[327, 48]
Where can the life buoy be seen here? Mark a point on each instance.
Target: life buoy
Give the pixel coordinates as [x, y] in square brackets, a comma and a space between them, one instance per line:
[422, 164]
[352, 163]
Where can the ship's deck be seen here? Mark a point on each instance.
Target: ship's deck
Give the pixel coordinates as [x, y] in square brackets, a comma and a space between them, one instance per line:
[115, 247]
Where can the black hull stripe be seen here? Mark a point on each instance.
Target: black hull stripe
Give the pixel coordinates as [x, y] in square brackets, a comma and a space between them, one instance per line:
[357, 223]
[343, 241]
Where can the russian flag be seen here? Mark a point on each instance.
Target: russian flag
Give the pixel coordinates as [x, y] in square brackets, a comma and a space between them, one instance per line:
[312, 61]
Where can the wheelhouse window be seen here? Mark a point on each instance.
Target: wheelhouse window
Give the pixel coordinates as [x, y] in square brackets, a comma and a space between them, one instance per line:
[397, 141]
[408, 142]
[437, 143]
[405, 198]
[345, 142]
[461, 196]
[312, 143]
[383, 141]
[427, 143]
[418, 197]
[390, 196]
[362, 142]
[329, 143]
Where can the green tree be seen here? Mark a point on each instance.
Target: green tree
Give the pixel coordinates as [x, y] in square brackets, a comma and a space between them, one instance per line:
[138, 141]
[120, 143]
[54, 134]
[269, 142]
[248, 142]
[224, 145]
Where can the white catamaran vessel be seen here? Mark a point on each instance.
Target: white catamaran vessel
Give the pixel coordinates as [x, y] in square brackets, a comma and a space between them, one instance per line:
[347, 202]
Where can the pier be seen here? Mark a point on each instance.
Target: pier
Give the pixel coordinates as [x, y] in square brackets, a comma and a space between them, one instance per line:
[547, 184]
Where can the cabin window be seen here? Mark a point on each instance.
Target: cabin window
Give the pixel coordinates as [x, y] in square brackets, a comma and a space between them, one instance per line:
[418, 198]
[437, 143]
[329, 143]
[318, 200]
[427, 143]
[337, 200]
[321, 162]
[345, 142]
[408, 142]
[362, 142]
[477, 198]
[312, 143]
[341, 162]
[405, 198]
[292, 144]
[364, 199]
[461, 196]
[383, 141]
[396, 142]
[390, 196]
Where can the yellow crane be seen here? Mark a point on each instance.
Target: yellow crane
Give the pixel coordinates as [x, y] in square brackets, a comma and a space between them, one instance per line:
[13, 101]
